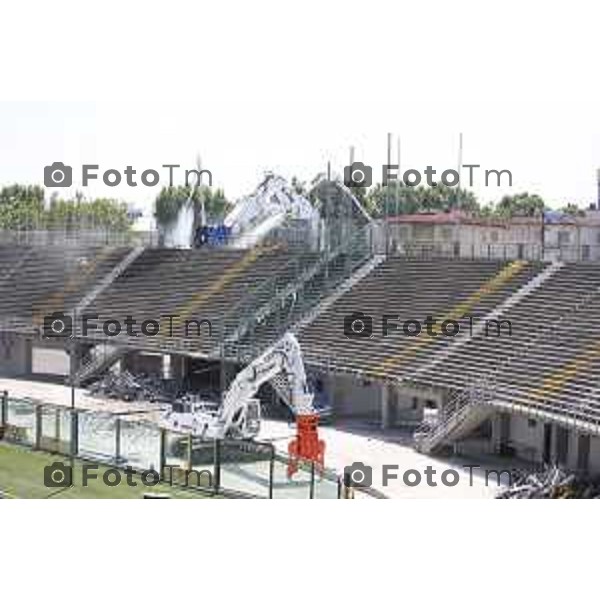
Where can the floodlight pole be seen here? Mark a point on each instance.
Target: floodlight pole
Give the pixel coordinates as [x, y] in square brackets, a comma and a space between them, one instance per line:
[460, 156]
[399, 178]
[387, 195]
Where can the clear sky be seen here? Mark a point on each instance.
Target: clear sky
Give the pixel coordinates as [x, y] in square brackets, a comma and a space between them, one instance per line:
[551, 148]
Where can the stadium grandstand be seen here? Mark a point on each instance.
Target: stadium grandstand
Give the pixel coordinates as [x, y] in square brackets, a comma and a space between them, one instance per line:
[517, 375]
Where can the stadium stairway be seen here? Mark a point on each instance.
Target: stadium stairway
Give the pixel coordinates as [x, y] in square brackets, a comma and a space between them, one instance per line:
[344, 288]
[278, 305]
[459, 416]
[101, 357]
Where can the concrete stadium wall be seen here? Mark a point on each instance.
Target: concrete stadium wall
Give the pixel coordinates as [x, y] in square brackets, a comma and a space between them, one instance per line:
[15, 355]
[50, 357]
[351, 397]
[595, 454]
[528, 442]
[142, 362]
[390, 405]
[50, 361]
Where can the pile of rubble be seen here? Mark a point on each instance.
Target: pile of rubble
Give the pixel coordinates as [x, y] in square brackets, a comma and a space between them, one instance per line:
[551, 483]
[127, 386]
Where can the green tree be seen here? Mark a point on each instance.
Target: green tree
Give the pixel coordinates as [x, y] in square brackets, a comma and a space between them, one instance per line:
[23, 207]
[404, 199]
[170, 200]
[521, 205]
[99, 213]
[573, 210]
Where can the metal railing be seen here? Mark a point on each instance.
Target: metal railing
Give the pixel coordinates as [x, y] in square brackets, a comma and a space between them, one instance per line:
[431, 249]
[454, 412]
[280, 301]
[77, 237]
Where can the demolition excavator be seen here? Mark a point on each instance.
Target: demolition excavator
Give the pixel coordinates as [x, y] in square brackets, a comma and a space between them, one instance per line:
[267, 208]
[239, 414]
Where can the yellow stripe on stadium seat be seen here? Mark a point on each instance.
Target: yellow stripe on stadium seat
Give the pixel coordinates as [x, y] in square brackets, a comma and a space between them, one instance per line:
[219, 284]
[562, 376]
[457, 312]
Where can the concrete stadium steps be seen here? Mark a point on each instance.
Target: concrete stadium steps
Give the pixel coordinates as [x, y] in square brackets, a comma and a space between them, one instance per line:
[205, 283]
[411, 289]
[532, 345]
[36, 281]
[561, 372]
[550, 366]
[10, 257]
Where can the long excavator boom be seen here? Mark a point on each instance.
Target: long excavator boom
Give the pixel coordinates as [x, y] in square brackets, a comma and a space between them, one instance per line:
[239, 414]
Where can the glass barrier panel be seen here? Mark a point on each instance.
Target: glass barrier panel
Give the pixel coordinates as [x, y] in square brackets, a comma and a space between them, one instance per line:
[20, 421]
[55, 435]
[178, 460]
[326, 486]
[97, 436]
[296, 487]
[202, 468]
[139, 444]
[246, 467]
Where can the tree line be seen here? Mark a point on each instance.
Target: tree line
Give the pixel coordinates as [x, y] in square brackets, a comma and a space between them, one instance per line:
[26, 207]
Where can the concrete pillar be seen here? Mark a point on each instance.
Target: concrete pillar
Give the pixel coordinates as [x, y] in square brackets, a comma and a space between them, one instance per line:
[178, 367]
[128, 362]
[75, 351]
[419, 411]
[162, 453]
[28, 357]
[562, 445]
[500, 431]
[3, 410]
[117, 440]
[38, 427]
[385, 406]
[496, 440]
[56, 436]
[331, 392]
[74, 433]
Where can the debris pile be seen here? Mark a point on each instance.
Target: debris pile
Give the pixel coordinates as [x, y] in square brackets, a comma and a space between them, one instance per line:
[551, 483]
[139, 387]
